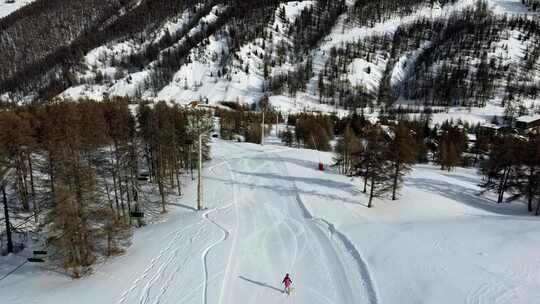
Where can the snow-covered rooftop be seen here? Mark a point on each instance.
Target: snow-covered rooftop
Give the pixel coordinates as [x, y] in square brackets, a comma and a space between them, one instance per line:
[529, 118]
[491, 126]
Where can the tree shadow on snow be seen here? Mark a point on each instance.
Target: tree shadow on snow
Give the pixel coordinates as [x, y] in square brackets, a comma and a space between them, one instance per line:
[321, 182]
[308, 164]
[467, 196]
[291, 190]
[262, 284]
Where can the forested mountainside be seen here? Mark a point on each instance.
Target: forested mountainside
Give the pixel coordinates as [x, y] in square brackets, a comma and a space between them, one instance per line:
[338, 53]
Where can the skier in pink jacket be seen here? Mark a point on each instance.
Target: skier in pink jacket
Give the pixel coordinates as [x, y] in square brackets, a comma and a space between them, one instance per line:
[288, 282]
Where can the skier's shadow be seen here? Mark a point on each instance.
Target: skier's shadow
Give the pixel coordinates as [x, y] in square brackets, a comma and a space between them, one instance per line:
[261, 284]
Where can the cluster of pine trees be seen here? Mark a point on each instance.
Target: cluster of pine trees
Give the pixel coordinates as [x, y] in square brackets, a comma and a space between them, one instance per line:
[314, 23]
[311, 131]
[82, 169]
[513, 167]
[458, 66]
[246, 123]
[306, 32]
[381, 154]
[369, 12]
[172, 59]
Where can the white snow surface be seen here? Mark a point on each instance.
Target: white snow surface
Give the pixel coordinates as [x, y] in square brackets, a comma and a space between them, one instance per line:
[510, 7]
[8, 8]
[270, 212]
[528, 118]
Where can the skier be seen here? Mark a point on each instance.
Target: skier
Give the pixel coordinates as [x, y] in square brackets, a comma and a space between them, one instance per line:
[287, 281]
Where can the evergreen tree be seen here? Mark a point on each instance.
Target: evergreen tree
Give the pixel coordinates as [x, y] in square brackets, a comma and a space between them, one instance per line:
[373, 164]
[401, 154]
[348, 146]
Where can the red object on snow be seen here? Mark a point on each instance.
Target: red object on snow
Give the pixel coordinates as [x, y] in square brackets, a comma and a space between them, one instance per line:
[321, 167]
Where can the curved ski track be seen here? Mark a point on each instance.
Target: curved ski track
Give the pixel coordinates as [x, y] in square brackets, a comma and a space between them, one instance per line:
[288, 223]
[368, 283]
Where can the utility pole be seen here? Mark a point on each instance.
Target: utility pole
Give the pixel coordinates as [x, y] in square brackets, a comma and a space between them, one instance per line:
[6, 215]
[262, 128]
[199, 179]
[199, 171]
[277, 123]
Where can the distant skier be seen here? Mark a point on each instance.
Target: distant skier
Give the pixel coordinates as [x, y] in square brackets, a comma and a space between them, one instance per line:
[287, 282]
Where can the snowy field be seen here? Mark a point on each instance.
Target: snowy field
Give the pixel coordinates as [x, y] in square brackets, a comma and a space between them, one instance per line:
[8, 8]
[270, 212]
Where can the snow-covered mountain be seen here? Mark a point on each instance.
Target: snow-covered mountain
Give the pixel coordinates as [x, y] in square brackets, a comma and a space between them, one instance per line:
[474, 58]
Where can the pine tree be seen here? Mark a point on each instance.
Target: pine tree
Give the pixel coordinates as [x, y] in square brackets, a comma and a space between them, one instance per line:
[348, 145]
[528, 156]
[401, 154]
[17, 141]
[287, 137]
[500, 167]
[373, 164]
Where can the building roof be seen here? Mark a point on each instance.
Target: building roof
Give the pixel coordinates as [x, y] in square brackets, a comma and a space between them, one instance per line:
[490, 126]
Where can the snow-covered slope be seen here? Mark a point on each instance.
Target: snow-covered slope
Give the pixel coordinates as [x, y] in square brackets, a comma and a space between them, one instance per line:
[215, 52]
[511, 7]
[270, 212]
[7, 7]
[218, 72]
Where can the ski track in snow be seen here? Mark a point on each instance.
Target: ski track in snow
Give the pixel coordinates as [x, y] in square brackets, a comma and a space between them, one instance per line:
[315, 235]
[368, 283]
[161, 263]
[225, 235]
[227, 275]
[291, 225]
[267, 216]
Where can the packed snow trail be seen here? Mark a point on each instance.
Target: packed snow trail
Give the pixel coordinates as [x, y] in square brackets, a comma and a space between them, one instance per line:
[277, 235]
[255, 230]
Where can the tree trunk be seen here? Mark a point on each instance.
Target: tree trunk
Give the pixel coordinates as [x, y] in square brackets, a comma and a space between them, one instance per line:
[530, 190]
[134, 182]
[150, 162]
[177, 173]
[395, 183]
[21, 189]
[191, 163]
[33, 189]
[366, 180]
[502, 185]
[51, 175]
[128, 198]
[371, 192]
[159, 178]
[109, 199]
[6, 218]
